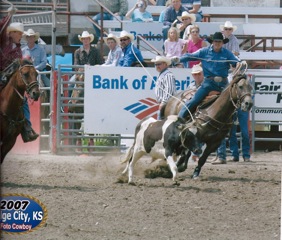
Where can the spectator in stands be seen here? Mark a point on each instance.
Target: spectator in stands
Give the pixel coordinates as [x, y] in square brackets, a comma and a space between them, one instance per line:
[36, 53]
[118, 7]
[130, 53]
[215, 70]
[193, 6]
[10, 38]
[138, 13]
[161, 17]
[174, 46]
[165, 83]
[233, 45]
[170, 16]
[115, 51]
[194, 43]
[186, 20]
[86, 54]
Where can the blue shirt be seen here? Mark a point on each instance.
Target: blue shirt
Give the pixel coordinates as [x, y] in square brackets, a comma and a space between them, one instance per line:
[128, 57]
[188, 4]
[38, 56]
[138, 16]
[171, 15]
[210, 68]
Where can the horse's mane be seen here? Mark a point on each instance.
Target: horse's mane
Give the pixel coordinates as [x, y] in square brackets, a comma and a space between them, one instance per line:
[26, 61]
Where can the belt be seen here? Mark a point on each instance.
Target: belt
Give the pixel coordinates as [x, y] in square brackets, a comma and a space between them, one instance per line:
[217, 78]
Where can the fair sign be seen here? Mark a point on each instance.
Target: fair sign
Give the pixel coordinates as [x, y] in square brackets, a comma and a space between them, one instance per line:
[268, 97]
[117, 98]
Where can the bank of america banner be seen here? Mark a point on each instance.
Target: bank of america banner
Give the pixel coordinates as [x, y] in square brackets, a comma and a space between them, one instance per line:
[117, 98]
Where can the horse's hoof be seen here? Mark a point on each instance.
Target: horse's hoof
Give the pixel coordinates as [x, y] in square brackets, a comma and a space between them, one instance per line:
[132, 183]
[196, 173]
[175, 183]
[181, 168]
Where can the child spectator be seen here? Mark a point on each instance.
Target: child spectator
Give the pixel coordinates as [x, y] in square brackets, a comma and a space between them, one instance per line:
[174, 46]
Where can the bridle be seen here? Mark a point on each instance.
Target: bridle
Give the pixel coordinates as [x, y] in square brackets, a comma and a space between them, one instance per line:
[29, 86]
[239, 98]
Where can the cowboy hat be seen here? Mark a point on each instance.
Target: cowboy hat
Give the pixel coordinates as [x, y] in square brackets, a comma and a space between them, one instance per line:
[196, 69]
[15, 27]
[186, 15]
[126, 34]
[218, 36]
[228, 24]
[111, 36]
[160, 59]
[86, 34]
[30, 32]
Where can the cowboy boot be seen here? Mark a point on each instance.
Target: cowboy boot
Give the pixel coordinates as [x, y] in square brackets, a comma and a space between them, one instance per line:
[28, 134]
[91, 143]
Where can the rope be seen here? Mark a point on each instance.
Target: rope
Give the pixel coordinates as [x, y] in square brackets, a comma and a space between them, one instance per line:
[235, 72]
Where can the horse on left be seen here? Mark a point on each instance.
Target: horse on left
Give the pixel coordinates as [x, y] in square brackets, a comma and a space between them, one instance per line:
[22, 77]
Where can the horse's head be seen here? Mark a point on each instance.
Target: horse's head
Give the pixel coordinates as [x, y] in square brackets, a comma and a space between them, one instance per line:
[241, 92]
[28, 76]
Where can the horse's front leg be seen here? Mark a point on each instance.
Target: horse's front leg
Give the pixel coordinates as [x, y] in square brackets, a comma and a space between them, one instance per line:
[183, 161]
[202, 161]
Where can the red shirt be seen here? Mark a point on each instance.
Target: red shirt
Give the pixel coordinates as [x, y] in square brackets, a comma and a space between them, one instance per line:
[9, 51]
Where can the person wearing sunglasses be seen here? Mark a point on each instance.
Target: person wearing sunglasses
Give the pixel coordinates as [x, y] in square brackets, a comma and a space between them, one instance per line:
[233, 44]
[130, 53]
[165, 83]
[194, 43]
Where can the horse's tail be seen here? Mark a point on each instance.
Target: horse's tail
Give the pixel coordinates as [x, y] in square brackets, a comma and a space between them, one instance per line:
[128, 155]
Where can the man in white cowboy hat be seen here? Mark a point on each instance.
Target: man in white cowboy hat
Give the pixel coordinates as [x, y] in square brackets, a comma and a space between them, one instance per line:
[186, 19]
[197, 74]
[215, 70]
[36, 53]
[115, 51]
[170, 16]
[165, 84]
[233, 44]
[10, 50]
[130, 54]
[85, 55]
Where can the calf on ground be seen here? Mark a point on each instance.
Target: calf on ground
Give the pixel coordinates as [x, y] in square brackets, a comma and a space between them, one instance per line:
[162, 139]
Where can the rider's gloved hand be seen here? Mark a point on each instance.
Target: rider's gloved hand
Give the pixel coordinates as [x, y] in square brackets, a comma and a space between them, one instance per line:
[175, 60]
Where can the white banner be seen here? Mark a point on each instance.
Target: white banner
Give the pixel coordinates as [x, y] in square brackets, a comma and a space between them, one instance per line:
[270, 98]
[117, 98]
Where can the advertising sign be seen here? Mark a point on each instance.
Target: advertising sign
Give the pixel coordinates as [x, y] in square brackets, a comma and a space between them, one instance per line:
[117, 98]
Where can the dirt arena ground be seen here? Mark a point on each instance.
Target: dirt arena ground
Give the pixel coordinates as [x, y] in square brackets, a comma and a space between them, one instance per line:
[239, 201]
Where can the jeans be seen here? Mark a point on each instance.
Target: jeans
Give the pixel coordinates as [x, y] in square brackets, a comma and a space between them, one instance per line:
[26, 111]
[243, 118]
[96, 18]
[207, 86]
[160, 2]
[221, 151]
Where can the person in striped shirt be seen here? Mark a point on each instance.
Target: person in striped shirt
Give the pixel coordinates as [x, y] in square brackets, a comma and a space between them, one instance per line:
[165, 83]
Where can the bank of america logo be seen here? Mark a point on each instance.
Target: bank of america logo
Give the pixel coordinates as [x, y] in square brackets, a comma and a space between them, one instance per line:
[143, 108]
